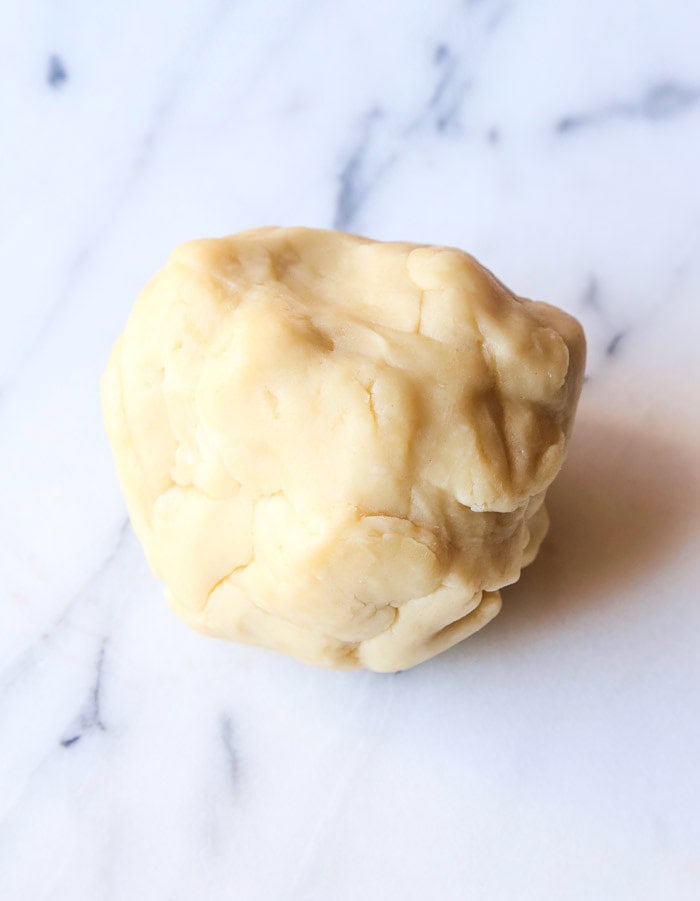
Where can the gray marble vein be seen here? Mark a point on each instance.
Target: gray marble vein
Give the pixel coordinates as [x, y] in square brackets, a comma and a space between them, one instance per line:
[359, 173]
[603, 326]
[613, 345]
[380, 141]
[496, 11]
[229, 748]
[591, 295]
[443, 106]
[90, 717]
[56, 73]
[31, 656]
[663, 100]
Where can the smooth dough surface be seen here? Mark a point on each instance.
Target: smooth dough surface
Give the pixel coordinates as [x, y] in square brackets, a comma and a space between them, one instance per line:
[335, 447]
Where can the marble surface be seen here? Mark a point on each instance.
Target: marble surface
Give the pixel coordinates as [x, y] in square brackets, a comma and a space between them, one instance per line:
[555, 754]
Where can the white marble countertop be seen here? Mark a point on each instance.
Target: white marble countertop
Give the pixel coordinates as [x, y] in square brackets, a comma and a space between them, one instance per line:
[554, 755]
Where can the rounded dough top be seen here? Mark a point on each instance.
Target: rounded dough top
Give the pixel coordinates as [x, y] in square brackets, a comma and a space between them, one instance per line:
[338, 447]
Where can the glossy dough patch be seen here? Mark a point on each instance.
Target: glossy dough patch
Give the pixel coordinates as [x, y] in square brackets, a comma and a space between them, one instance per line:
[335, 447]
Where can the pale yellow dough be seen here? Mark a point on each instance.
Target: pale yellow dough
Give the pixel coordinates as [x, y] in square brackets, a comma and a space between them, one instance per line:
[335, 447]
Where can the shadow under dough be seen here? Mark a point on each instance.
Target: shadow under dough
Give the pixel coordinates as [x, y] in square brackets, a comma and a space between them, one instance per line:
[618, 508]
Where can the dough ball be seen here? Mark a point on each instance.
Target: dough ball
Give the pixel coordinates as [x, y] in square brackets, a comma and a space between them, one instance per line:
[335, 447]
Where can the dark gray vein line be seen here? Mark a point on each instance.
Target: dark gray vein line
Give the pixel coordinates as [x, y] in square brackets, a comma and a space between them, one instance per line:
[664, 100]
[91, 715]
[614, 343]
[669, 99]
[444, 102]
[56, 73]
[354, 182]
[591, 295]
[591, 300]
[359, 176]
